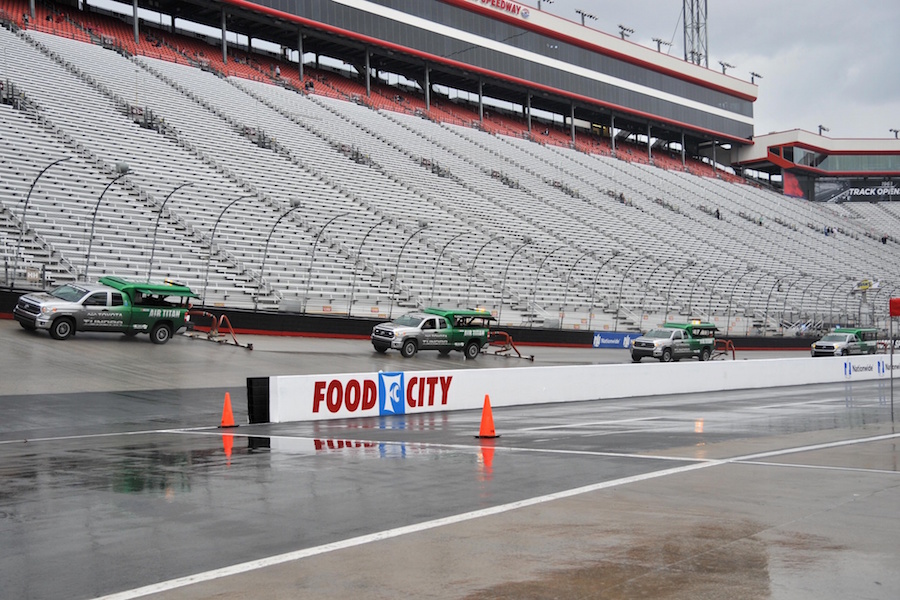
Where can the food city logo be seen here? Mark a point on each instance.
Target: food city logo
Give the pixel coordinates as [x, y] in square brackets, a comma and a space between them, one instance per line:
[392, 394]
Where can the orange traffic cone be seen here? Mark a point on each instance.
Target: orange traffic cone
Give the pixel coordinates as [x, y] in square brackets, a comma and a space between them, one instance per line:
[487, 420]
[227, 416]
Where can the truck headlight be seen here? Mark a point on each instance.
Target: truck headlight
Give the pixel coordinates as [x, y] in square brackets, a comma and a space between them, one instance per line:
[47, 310]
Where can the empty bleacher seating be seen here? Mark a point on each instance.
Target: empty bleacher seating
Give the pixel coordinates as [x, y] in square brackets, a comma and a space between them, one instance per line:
[400, 204]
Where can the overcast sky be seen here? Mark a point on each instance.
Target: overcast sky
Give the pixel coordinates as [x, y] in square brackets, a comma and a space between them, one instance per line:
[823, 62]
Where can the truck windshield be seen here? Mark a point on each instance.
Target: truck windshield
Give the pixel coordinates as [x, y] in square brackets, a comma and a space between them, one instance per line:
[68, 293]
[659, 333]
[408, 320]
[835, 337]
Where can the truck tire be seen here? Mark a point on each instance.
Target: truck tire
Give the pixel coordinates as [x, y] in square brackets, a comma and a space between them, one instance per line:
[635, 358]
[409, 348]
[161, 333]
[666, 355]
[62, 328]
[27, 326]
[705, 353]
[380, 349]
[472, 350]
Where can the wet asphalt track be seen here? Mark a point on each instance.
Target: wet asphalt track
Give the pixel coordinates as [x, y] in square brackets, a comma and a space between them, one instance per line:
[116, 481]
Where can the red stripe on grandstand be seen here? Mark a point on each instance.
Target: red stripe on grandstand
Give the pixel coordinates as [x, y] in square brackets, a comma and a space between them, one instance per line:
[518, 22]
[465, 67]
[835, 152]
[791, 166]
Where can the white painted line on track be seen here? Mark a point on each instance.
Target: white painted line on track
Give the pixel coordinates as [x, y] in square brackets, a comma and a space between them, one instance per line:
[476, 447]
[89, 436]
[822, 446]
[821, 401]
[401, 531]
[821, 467]
[591, 424]
[388, 534]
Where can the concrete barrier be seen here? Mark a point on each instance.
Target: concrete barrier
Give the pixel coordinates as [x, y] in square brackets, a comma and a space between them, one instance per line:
[347, 395]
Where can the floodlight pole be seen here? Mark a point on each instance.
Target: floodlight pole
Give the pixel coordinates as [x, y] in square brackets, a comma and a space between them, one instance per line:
[566, 293]
[749, 270]
[833, 294]
[156, 227]
[527, 242]
[538, 275]
[712, 289]
[614, 254]
[644, 296]
[312, 258]
[689, 264]
[472, 268]
[397, 266]
[87, 256]
[622, 285]
[438, 261]
[356, 264]
[693, 286]
[784, 304]
[769, 297]
[802, 297]
[212, 237]
[23, 225]
[295, 205]
[819, 296]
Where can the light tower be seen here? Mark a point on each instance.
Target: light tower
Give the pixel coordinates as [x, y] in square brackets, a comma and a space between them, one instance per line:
[695, 47]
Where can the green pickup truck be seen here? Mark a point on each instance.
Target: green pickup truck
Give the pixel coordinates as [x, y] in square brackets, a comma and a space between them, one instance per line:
[112, 304]
[435, 329]
[674, 341]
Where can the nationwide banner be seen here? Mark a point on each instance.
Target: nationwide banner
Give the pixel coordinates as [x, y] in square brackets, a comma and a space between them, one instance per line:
[605, 339]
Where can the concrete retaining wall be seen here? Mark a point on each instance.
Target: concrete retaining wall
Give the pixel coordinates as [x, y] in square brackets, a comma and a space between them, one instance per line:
[347, 395]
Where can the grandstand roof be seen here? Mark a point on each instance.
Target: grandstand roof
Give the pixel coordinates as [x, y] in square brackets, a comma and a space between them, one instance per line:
[595, 74]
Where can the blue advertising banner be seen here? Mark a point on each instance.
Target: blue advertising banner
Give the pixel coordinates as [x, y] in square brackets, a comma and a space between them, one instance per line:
[605, 339]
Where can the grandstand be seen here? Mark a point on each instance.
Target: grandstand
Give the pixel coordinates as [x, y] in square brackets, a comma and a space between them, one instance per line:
[322, 193]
